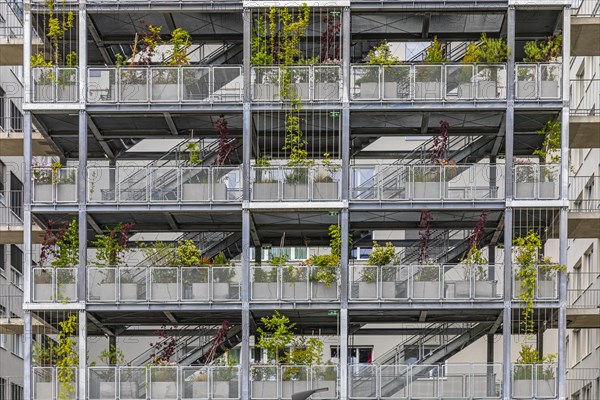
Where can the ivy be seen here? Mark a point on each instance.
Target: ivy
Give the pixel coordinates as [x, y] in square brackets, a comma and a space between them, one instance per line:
[67, 357]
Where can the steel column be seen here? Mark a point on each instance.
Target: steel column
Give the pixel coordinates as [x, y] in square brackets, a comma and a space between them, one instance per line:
[82, 343]
[82, 211]
[27, 41]
[343, 319]
[27, 341]
[245, 350]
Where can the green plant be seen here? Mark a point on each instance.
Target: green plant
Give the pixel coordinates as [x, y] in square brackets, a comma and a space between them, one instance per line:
[550, 151]
[380, 255]
[187, 254]
[112, 356]
[488, 51]
[180, 42]
[435, 52]
[226, 370]
[530, 359]
[276, 335]
[545, 51]
[225, 273]
[259, 44]
[112, 246]
[44, 353]
[304, 351]
[265, 275]
[66, 357]
[61, 244]
[159, 253]
[194, 149]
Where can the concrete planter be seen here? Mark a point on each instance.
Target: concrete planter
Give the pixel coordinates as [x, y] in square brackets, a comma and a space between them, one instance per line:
[221, 291]
[391, 290]
[66, 291]
[464, 91]
[264, 291]
[200, 291]
[367, 290]
[428, 90]
[390, 90]
[320, 291]
[163, 292]
[522, 388]
[163, 390]
[266, 92]
[487, 90]
[128, 292]
[295, 191]
[221, 390]
[294, 290]
[67, 93]
[546, 388]
[129, 390]
[66, 192]
[426, 290]
[546, 290]
[549, 90]
[327, 91]
[331, 386]
[525, 190]
[290, 387]
[165, 92]
[107, 292]
[44, 93]
[200, 390]
[265, 191]
[195, 192]
[485, 289]
[547, 190]
[325, 191]
[462, 290]
[43, 390]
[133, 93]
[302, 91]
[369, 91]
[526, 90]
[42, 192]
[427, 190]
[43, 292]
[107, 390]
[264, 390]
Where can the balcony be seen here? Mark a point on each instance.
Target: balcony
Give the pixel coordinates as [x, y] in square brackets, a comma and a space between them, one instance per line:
[538, 81]
[157, 84]
[296, 183]
[309, 83]
[584, 122]
[291, 283]
[55, 85]
[584, 207]
[546, 285]
[406, 283]
[401, 182]
[54, 185]
[281, 381]
[534, 381]
[160, 185]
[536, 181]
[54, 284]
[420, 381]
[11, 34]
[434, 83]
[583, 299]
[164, 284]
[585, 28]
[46, 385]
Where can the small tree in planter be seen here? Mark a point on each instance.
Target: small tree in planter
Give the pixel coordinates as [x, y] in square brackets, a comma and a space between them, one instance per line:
[165, 81]
[113, 356]
[294, 283]
[547, 51]
[194, 271]
[276, 335]
[549, 153]
[428, 77]
[163, 372]
[381, 57]
[534, 371]
[223, 274]
[305, 352]
[488, 51]
[111, 248]
[324, 186]
[379, 257]
[324, 268]
[266, 186]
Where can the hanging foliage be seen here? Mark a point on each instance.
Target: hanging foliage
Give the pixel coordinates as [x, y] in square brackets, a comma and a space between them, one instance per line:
[60, 244]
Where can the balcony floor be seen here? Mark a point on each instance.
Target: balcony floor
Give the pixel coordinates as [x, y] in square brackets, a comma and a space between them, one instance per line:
[584, 131]
[583, 318]
[584, 225]
[585, 32]
[11, 144]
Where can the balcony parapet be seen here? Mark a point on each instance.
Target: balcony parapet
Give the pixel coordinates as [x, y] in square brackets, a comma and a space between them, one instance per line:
[546, 284]
[584, 291]
[296, 183]
[281, 381]
[584, 195]
[536, 181]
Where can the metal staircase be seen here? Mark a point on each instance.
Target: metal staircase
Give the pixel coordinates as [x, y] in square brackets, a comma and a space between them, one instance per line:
[453, 53]
[222, 54]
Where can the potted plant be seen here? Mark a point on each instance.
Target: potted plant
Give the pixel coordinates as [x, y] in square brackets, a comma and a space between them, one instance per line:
[324, 277]
[264, 284]
[547, 51]
[324, 186]
[428, 78]
[426, 282]
[295, 374]
[132, 382]
[381, 58]
[550, 155]
[199, 384]
[42, 287]
[533, 374]
[225, 378]
[112, 358]
[487, 51]
[380, 256]
[294, 283]
[264, 382]
[266, 186]
[165, 81]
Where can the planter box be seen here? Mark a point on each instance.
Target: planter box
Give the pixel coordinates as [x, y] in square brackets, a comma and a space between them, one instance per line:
[42, 192]
[200, 291]
[295, 191]
[464, 91]
[165, 92]
[221, 390]
[393, 290]
[290, 387]
[426, 290]
[522, 388]
[546, 388]
[195, 192]
[325, 191]
[295, 290]
[200, 390]
[331, 392]
[547, 190]
[487, 90]
[462, 290]
[107, 390]
[266, 92]
[327, 91]
[485, 289]
[320, 291]
[265, 191]
[369, 91]
[163, 291]
[264, 291]
[129, 390]
[106, 292]
[43, 292]
[390, 90]
[302, 91]
[163, 390]
[367, 290]
[427, 190]
[526, 90]
[525, 190]
[43, 390]
[546, 290]
[67, 93]
[549, 90]
[44, 93]
[66, 291]
[221, 291]
[133, 93]
[66, 192]
[428, 90]
[128, 292]
[264, 390]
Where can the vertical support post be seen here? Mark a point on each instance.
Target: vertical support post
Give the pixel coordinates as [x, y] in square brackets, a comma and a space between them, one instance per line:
[27, 198]
[247, 112]
[82, 210]
[344, 278]
[82, 342]
[27, 42]
[346, 51]
[564, 196]
[510, 105]
[82, 51]
[245, 350]
[490, 381]
[27, 340]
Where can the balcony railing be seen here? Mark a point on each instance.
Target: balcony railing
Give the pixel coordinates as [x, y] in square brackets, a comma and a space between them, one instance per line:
[55, 85]
[281, 381]
[296, 183]
[586, 8]
[580, 378]
[536, 181]
[11, 208]
[426, 282]
[291, 283]
[396, 182]
[420, 381]
[133, 184]
[164, 284]
[585, 97]
[584, 193]
[584, 290]
[308, 83]
[538, 81]
[534, 381]
[158, 84]
[46, 385]
[546, 284]
[444, 82]
[54, 185]
[54, 284]
[12, 21]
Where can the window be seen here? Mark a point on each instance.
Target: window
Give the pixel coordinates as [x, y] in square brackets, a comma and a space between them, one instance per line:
[17, 348]
[577, 340]
[2, 259]
[16, 392]
[2, 109]
[16, 118]
[3, 336]
[16, 262]
[16, 195]
[356, 355]
[2, 177]
[2, 389]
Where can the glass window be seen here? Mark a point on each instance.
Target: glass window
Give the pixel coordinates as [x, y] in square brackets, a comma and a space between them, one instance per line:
[2, 389]
[16, 392]
[17, 347]
[2, 109]
[16, 118]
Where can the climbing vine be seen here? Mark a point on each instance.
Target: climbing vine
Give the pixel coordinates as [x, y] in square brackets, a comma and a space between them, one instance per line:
[550, 151]
[61, 244]
[67, 357]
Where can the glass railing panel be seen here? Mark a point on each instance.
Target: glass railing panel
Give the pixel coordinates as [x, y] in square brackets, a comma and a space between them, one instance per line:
[54, 284]
[550, 81]
[365, 279]
[133, 85]
[227, 84]
[267, 184]
[227, 184]
[101, 184]
[225, 382]
[133, 383]
[226, 283]
[327, 79]
[196, 184]
[428, 82]
[55, 85]
[294, 378]
[299, 85]
[196, 283]
[265, 283]
[197, 82]
[365, 82]
[194, 382]
[393, 182]
[294, 282]
[393, 381]
[102, 85]
[362, 381]
[324, 282]
[425, 282]
[132, 284]
[427, 182]
[534, 381]
[165, 85]
[490, 82]
[460, 82]
[364, 183]
[266, 84]
[164, 184]
[54, 185]
[164, 382]
[164, 284]
[546, 284]
[102, 284]
[46, 385]
[325, 376]
[102, 383]
[527, 78]
[536, 181]
[295, 184]
[396, 82]
[133, 184]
